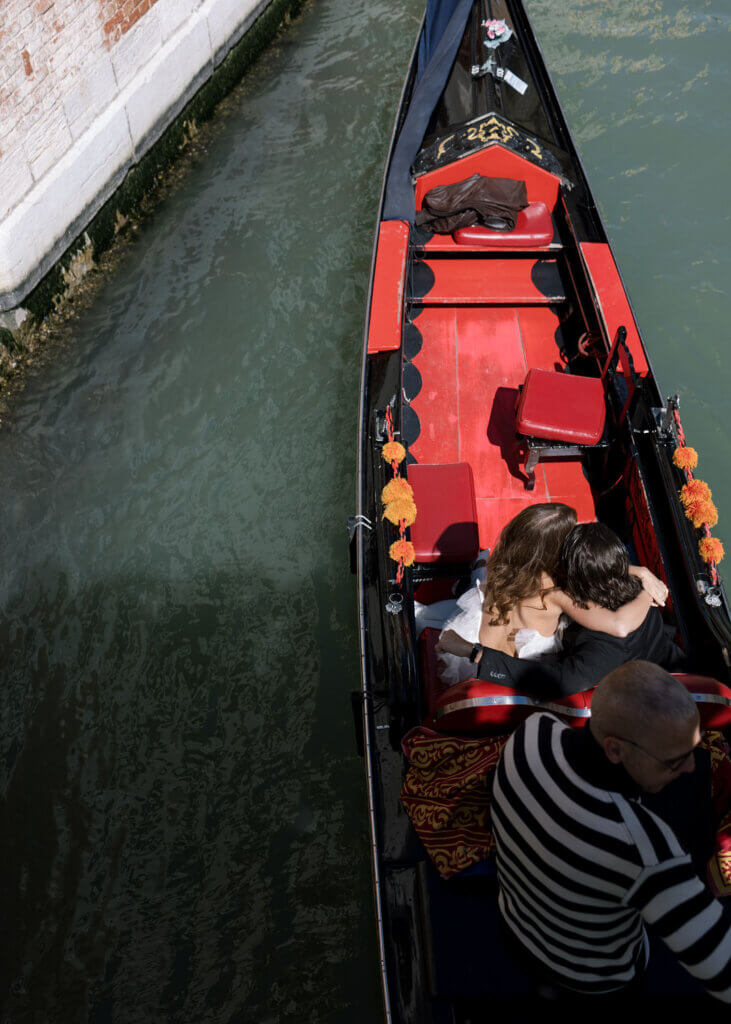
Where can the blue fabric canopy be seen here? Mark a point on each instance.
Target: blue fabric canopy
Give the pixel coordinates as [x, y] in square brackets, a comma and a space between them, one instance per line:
[444, 26]
[436, 19]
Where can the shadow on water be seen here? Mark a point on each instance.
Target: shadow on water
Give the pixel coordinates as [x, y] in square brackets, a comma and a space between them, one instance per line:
[183, 830]
[175, 833]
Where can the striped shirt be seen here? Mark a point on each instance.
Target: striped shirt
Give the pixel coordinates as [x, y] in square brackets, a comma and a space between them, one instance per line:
[583, 867]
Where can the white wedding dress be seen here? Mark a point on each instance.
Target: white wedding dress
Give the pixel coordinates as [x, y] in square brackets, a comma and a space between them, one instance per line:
[464, 616]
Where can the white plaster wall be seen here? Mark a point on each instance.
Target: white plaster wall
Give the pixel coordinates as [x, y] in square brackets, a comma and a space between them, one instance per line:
[59, 164]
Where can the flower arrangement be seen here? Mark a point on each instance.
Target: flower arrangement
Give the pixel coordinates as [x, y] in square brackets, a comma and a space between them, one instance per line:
[711, 549]
[400, 511]
[397, 489]
[696, 499]
[398, 501]
[402, 551]
[496, 27]
[685, 457]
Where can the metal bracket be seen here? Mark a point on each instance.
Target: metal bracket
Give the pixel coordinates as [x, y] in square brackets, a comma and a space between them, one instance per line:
[664, 417]
[355, 521]
[488, 68]
[381, 426]
[711, 595]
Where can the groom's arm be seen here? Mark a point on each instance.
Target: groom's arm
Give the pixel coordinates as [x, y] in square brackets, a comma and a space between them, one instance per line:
[592, 656]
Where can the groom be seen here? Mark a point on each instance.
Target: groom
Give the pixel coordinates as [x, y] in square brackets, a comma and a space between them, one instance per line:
[587, 654]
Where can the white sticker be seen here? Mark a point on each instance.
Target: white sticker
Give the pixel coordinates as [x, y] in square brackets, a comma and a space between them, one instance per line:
[517, 83]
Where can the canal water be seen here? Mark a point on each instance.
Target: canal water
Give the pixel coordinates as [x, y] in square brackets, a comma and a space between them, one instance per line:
[183, 813]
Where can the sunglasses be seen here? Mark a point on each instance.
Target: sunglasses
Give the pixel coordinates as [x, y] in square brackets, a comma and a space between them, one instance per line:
[672, 763]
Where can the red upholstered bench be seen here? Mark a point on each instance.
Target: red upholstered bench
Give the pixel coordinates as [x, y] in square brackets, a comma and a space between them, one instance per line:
[481, 707]
[533, 230]
[445, 530]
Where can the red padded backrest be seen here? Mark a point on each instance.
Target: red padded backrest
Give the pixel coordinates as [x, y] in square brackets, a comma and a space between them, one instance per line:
[494, 162]
[432, 685]
[476, 706]
[713, 699]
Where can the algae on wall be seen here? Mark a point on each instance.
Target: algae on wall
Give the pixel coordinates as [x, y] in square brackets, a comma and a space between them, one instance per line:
[52, 304]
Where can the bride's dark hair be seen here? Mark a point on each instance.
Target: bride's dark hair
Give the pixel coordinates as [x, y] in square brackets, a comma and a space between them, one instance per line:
[529, 547]
[594, 567]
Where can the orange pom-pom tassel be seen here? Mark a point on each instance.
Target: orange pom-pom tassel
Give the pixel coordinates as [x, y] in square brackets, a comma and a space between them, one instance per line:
[396, 490]
[700, 512]
[402, 549]
[696, 490]
[393, 451]
[711, 549]
[401, 511]
[685, 457]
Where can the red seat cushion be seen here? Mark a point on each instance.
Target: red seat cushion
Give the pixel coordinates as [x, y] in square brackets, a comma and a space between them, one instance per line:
[561, 407]
[533, 230]
[446, 515]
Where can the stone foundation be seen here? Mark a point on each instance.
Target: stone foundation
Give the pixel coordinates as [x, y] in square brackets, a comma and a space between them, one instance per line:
[96, 97]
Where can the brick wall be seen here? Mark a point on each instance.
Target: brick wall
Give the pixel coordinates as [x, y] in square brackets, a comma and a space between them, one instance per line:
[119, 16]
[85, 86]
[61, 63]
[44, 49]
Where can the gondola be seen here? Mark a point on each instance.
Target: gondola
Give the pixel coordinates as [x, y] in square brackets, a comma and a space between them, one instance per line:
[456, 324]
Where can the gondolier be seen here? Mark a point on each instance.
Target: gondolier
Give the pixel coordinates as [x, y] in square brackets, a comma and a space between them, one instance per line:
[583, 866]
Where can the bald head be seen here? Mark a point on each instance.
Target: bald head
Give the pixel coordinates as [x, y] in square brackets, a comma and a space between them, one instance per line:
[640, 699]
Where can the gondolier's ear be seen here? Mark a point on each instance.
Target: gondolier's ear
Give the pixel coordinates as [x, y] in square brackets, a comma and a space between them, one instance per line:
[613, 749]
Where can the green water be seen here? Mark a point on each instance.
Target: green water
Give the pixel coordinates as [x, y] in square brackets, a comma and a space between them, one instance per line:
[645, 90]
[183, 818]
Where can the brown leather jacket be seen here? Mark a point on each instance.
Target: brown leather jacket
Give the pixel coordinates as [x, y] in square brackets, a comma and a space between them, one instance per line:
[492, 202]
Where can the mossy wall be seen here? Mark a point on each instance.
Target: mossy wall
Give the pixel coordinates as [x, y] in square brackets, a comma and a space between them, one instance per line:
[142, 180]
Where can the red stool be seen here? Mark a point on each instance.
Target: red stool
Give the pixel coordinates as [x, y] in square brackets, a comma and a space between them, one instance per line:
[560, 414]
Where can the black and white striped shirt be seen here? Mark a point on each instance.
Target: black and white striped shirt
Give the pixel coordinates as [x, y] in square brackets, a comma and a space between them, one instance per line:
[582, 867]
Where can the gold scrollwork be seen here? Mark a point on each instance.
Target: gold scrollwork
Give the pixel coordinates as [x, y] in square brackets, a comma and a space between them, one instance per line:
[443, 145]
[492, 129]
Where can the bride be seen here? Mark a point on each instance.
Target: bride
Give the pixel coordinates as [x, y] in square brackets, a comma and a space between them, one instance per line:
[519, 609]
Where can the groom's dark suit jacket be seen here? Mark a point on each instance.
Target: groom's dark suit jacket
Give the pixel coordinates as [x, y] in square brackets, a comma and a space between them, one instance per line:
[586, 658]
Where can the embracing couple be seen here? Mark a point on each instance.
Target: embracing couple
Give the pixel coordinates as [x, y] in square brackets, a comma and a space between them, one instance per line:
[545, 570]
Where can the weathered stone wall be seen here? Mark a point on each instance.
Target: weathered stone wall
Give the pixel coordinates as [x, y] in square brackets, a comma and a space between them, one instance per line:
[87, 87]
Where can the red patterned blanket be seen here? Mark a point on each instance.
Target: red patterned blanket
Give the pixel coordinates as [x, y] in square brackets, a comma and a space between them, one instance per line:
[447, 793]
